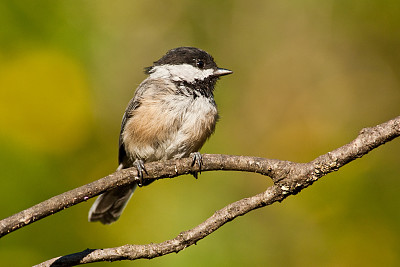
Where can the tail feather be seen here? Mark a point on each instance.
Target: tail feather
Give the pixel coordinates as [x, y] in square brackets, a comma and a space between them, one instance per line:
[109, 206]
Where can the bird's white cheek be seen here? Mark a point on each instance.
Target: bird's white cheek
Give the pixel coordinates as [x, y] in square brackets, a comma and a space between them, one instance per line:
[182, 72]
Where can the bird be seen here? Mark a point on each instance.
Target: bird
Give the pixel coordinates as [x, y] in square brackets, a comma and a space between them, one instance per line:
[171, 115]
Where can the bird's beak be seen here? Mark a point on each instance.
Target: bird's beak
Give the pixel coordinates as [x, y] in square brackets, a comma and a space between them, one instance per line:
[221, 72]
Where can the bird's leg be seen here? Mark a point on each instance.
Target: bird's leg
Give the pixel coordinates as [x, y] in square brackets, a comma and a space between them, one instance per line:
[197, 158]
[139, 164]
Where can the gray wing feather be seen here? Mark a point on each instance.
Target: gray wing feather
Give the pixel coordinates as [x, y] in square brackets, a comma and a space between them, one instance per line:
[133, 104]
[109, 206]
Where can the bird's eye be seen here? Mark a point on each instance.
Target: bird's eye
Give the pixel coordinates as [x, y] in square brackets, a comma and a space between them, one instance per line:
[200, 64]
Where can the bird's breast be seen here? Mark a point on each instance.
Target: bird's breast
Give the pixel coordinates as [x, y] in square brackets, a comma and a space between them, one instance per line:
[169, 126]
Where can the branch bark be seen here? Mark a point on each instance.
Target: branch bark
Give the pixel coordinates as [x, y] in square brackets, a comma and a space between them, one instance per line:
[289, 178]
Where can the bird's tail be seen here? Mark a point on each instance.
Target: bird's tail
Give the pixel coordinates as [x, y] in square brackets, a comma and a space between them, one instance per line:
[109, 206]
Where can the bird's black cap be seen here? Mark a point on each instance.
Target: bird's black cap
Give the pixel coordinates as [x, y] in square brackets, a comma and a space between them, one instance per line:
[186, 55]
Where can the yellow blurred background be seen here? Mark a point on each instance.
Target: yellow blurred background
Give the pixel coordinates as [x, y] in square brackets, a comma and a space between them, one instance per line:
[308, 75]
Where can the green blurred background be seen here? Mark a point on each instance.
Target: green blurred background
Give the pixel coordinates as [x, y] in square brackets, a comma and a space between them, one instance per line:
[308, 75]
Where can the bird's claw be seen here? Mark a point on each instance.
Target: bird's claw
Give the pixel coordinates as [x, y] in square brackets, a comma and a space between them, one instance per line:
[197, 158]
[139, 164]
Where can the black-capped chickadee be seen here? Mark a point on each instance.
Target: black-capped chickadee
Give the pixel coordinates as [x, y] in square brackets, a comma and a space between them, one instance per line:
[171, 115]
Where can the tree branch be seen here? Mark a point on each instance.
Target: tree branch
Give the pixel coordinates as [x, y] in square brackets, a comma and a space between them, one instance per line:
[289, 178]
[155, 170]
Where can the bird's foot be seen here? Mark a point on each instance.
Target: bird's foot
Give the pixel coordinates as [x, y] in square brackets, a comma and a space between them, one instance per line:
[197, 158]
[139, 164]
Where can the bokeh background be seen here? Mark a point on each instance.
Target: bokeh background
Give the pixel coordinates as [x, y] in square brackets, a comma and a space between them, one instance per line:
[308, 75]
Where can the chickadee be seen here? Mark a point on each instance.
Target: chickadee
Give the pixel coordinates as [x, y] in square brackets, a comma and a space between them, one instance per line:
[171, 115]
